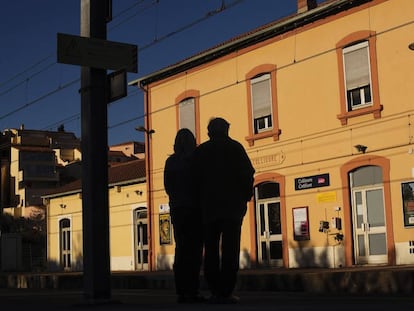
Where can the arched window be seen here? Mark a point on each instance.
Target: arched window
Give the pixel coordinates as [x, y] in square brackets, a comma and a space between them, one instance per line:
[187, 104]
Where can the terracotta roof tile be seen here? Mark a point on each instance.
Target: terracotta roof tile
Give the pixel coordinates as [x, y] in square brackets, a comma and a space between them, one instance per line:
[123, 172]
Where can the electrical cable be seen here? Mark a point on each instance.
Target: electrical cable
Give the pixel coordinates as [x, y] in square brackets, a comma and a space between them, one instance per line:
[193, 23]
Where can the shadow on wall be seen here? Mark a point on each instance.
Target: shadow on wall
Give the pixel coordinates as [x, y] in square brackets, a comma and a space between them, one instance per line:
[245, 260]
[164, 261]
[75, 264]
[305, 255]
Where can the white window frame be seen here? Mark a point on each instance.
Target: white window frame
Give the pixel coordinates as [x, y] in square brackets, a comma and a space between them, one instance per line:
[65, 252]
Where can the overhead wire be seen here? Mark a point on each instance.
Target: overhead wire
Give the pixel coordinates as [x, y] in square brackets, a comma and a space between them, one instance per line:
[36, 64]
[36, 100]
[70, 83]
[60, 87]
[5, 82]
[193, 23]
[27, 79]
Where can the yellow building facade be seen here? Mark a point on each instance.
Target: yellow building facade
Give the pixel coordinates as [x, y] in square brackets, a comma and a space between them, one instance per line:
[323, 103]
[127, 221]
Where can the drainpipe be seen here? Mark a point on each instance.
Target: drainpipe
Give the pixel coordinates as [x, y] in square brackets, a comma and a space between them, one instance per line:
[148, 132]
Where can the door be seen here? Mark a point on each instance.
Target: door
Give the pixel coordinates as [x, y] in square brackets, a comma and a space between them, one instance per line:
[65, 241]
[141, 240]
[370, 238]
[269, 233]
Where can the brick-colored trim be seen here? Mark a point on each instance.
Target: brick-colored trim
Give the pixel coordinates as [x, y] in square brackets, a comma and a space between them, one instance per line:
[358, 162]
[376, 108]
[262, 69]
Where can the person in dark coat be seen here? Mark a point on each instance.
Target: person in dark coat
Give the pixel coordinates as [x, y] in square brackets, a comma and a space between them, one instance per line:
[224, 181]
[185, 218]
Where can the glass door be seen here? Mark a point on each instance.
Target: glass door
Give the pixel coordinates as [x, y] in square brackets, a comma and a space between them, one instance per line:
[370, 239]
[141, 240]
[269, 232]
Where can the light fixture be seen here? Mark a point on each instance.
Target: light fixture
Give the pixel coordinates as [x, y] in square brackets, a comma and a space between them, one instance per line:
[411, 46]
[361, 148]
[138, 192]
[143, 129]
[62, 205]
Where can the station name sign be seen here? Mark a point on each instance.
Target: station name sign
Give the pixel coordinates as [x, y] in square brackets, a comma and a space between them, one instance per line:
[97, 53]
[309, 182]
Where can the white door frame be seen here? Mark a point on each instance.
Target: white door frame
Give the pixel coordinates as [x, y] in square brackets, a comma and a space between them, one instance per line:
[369, 228]
[266, 238]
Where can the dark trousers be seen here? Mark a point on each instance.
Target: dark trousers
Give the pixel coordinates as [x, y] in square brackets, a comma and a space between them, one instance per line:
[188, 255]
[221, 258]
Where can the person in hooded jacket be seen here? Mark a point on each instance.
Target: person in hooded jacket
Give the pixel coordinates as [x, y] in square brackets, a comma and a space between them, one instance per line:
[185, 218]
[224, 185]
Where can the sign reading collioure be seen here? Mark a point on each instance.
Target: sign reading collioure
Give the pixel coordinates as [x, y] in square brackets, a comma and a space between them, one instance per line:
[315, 181]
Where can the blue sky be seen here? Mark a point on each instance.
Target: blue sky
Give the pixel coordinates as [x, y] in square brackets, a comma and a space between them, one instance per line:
[40, 93]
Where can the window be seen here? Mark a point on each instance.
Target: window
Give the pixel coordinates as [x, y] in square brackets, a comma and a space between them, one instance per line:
[37, 165]
[187, 105]
[187, 114]
[262, 104]
[357, 76]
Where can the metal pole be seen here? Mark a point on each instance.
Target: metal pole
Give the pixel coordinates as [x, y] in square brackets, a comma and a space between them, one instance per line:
[94, 136]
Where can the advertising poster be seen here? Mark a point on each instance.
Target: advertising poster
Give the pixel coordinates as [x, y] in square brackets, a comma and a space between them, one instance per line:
[165, 229]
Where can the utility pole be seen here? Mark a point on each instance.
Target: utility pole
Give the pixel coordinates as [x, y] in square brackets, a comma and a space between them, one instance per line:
[96, 55]
[94, 143]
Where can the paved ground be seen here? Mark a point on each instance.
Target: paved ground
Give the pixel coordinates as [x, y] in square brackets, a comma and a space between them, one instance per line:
[355, 288]
[23, 299]
[352, 280]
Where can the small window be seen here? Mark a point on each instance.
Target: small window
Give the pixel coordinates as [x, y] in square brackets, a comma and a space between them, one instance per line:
[262, 103]
[262, 123]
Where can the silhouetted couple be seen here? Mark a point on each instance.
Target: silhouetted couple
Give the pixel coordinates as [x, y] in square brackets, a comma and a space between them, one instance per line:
[208, 188]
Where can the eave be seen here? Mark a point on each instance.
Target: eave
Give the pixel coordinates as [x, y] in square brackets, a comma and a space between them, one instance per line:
[261, 34]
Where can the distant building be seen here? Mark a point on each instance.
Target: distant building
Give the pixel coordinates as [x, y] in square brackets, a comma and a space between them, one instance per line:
[40, 168]
[31, 164]
[130, 149]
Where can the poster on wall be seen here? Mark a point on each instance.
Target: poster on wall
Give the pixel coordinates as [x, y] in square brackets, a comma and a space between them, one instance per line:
[165, 229]
[407, 190]
[300, 223]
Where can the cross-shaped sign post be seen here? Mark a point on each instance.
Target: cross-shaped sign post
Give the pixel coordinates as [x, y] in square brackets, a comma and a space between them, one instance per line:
[95, 54]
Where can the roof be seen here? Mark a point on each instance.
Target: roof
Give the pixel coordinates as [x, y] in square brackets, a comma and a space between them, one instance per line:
[122, 174]
[127, 172]
[139, 147]
[131, 142]
[260, 34]
[117, 153]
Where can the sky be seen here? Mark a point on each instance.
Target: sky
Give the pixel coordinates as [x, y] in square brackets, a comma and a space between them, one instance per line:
[38, 92]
